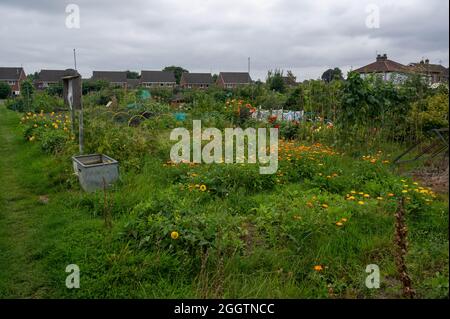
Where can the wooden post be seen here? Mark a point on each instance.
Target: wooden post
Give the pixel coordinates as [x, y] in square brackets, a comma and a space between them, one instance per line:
[80, 122]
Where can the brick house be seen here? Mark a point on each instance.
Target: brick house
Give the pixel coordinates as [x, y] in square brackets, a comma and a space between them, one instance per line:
[48, 77]
[435, 73]
[231, 80]
[387, 69]
[115, 78]
[196, 80]
[158, 79]
[13, 76]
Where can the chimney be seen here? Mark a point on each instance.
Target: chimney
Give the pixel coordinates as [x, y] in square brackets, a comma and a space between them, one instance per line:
[382, 57]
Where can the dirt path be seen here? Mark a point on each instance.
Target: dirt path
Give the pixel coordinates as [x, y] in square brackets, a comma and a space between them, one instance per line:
[20, 275]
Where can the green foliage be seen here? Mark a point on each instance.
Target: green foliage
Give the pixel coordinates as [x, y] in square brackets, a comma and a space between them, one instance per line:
[177, 70]
[5, 90]
[332, 74]
[55, 89]
[46, 102]
[275, 81]
[432, 113]
[162, 94]
[242, 235]
[132, 75]
[53, 141]
[296, 100]
[94, 86]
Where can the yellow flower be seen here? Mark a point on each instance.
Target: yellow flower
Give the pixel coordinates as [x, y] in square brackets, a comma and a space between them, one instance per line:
[32, 138]
[339, 224]
[380, 198]
[391, 195]
[324, 205]
[361, 202]
[318, 267]
[203, 188]
[404, 191]
[366, 195]
[353, 192]
[174, 235]
[344, 219]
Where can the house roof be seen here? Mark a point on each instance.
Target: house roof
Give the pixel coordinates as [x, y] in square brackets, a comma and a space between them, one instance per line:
[235, 77]
[157, 76]
[197, 78]
[382, 65]
[7, 73]
[111, 76]
[425, 67]
[51, 75]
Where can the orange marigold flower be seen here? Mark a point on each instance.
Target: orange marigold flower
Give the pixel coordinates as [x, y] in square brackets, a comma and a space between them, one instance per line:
[318, 267]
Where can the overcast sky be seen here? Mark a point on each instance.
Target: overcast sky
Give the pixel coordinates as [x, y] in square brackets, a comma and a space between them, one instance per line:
[306, 37]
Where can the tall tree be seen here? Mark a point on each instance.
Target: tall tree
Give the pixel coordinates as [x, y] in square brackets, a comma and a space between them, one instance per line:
[332, 74]
[132, 75]
[33, 76]
[275, 81]
[291, 79]
[177, 70]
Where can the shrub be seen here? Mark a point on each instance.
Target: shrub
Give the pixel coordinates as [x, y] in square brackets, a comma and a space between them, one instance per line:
[16, 104]
[5, 90]
[53, 141]
[42, 101]
[433, 113]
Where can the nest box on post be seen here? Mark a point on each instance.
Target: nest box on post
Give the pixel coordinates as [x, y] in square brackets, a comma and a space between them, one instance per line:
[72, 89]
[72, 93]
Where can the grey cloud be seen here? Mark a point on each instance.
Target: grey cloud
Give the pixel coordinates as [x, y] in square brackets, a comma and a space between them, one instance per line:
[201, 35]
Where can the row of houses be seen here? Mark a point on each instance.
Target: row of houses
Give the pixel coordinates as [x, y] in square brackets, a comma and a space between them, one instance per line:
[46, 78]
[387, 69]
[188, 80]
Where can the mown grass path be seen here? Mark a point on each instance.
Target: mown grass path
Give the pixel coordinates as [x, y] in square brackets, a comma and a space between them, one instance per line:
[16, 216]
[22, 273]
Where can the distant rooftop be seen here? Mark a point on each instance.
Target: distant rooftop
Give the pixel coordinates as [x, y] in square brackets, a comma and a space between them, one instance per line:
[111, 76]
[10, 73]
[235, 77]
[51, 75]
[197, 78]
[382, 65]
[158, 76]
